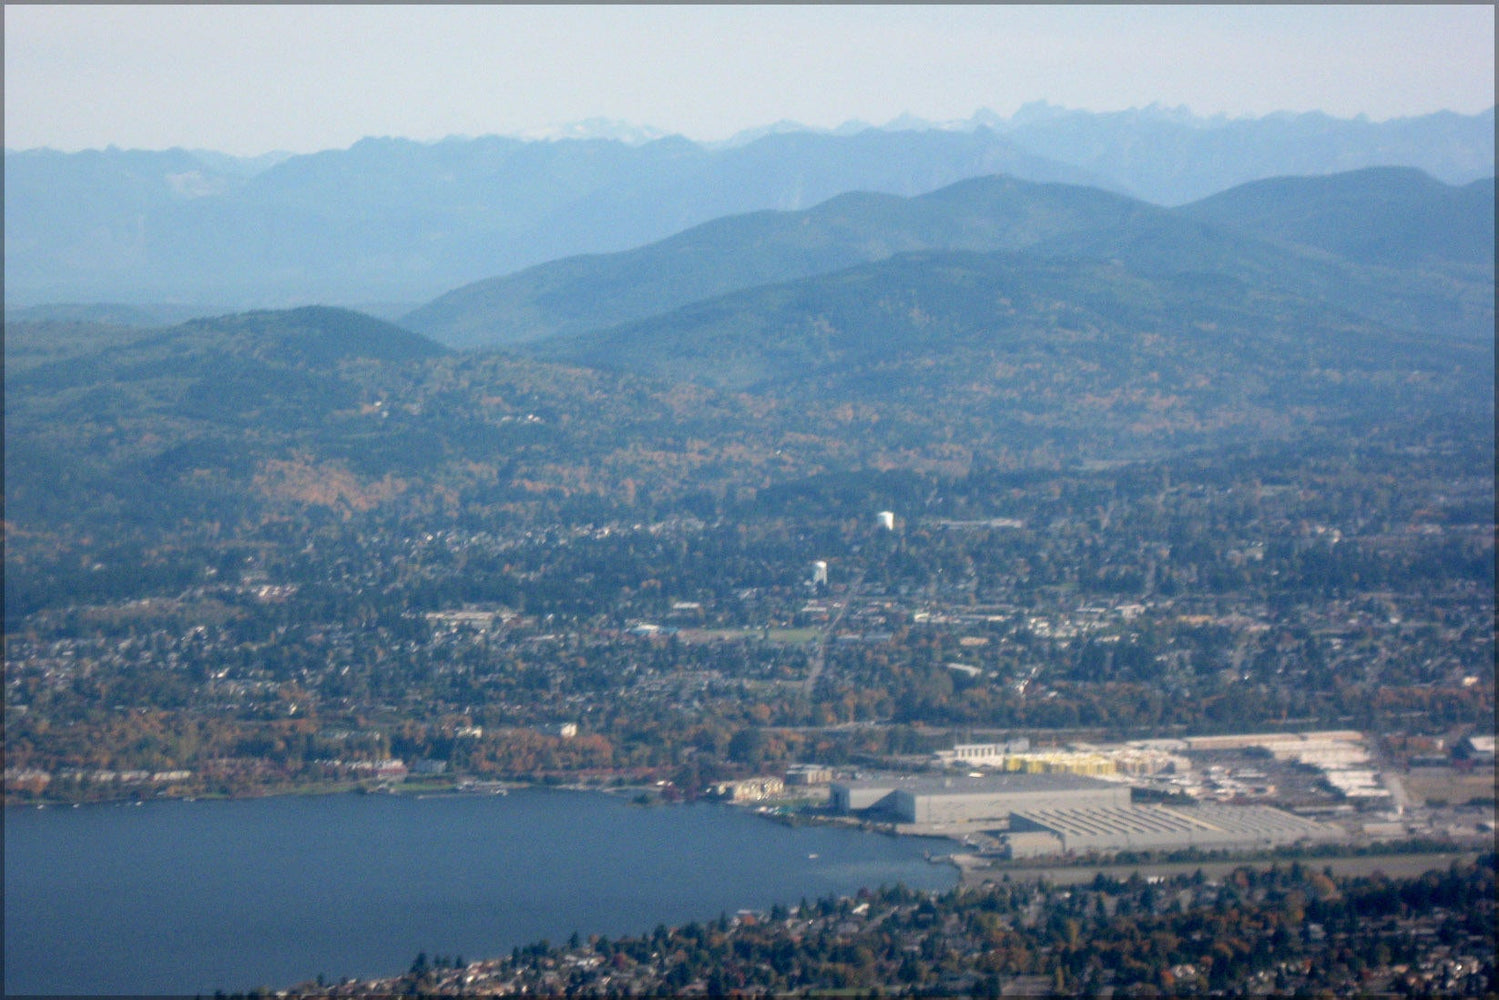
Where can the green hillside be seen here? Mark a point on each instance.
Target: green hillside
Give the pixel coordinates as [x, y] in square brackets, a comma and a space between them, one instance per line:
[923, 361]
[1097, 351]
[238, 368]
[593, 292]
[1127, 330]
[1267, 234]
[1453, 302]
[1390, 216]
[155, 424]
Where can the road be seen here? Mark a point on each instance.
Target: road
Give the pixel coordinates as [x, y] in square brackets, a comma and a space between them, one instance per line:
[1393, 865]
[819, 656]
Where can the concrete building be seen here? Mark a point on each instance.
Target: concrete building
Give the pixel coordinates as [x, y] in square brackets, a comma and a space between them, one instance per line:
[1093, 765]
[749, 789]
[808, 774]
[1280, 744]
[1016, 755]
[1032, 843]
[965, 799]
[1049, 814]
[1162, 828]
[983, 753]
[862, 793]
[1479, 749]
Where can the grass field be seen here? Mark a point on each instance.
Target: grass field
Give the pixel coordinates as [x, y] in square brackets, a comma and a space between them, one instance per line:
[1448, 786]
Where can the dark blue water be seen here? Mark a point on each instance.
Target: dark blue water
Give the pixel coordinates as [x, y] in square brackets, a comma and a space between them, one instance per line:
[192, 897]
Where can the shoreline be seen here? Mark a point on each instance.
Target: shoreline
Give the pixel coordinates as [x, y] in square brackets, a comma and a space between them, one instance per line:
[972, 868]
[274, 791]
[446, 785]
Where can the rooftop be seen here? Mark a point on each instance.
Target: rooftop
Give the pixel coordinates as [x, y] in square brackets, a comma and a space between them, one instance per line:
[936, 784]
[1205, 822]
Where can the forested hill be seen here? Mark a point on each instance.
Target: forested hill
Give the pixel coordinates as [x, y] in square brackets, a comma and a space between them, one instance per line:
[578, 294]
[1429, 266]
[922, 361]
[1100, 348]
[112, 424]
[1397, 217]
[61, 352]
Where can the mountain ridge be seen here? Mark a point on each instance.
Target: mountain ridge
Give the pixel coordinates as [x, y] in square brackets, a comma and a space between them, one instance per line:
[398, 221]
[1350, 215]
[927, 303]
[579, 294]
[726, 254]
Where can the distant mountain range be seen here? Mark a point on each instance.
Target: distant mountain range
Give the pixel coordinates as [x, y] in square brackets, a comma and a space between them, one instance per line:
[391, 221]
[1170, 157]
[394, 220]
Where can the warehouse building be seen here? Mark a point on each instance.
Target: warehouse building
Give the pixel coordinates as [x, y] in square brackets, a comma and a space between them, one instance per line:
[940, 800]
[1037, 832]
[974, 754]
[1478, 749]
[1049, 814]
[808, 774]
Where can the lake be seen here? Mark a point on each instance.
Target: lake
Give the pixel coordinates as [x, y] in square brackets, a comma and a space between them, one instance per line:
[177, 897]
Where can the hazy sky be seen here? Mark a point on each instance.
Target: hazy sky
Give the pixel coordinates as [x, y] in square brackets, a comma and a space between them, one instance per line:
[250, 79]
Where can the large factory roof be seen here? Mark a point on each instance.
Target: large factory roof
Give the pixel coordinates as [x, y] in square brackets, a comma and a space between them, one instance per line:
[1106, 822]
[1199, 824]
[988, 784]
[1264, 820]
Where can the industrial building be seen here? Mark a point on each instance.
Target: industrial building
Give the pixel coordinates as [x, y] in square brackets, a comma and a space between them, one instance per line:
[982, 753]
[1479, 749]
[808, 774]
[1089, 761]
[1271, 741]
[964, 799]
[1046, 814]
[749, 789]
[1160, 828]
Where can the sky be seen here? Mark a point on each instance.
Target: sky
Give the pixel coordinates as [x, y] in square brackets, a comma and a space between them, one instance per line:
[253, 79]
